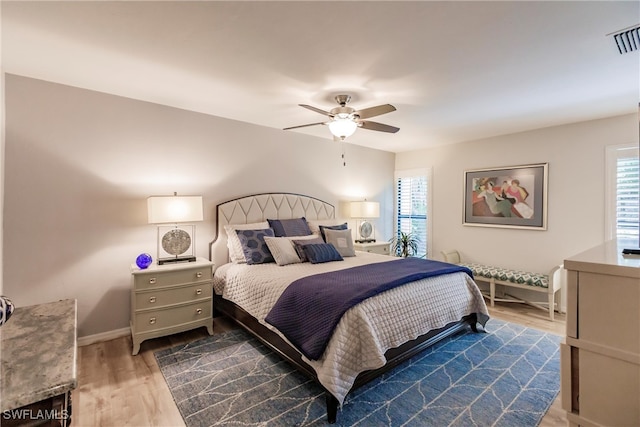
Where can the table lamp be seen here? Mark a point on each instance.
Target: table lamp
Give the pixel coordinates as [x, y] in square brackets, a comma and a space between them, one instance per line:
[363, 211]
[176, 243]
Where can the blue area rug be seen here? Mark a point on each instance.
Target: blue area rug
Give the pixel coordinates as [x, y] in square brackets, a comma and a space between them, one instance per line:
[506, 377]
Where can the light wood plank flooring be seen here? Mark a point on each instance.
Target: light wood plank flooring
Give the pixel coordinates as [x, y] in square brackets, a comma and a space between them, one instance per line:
[118, 389]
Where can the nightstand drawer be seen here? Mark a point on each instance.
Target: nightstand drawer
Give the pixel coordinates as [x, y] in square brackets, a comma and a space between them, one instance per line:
[161, 278]
[381, 248]
[168, 296]
[171, 317]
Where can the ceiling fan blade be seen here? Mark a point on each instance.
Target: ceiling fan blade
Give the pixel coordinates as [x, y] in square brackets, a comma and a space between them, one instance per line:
[378, 126]
[375, 111]
[304, 126]
[317, 110]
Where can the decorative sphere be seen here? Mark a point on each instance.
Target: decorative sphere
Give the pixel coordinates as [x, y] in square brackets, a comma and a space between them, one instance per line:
[6, 309]
[143, 261]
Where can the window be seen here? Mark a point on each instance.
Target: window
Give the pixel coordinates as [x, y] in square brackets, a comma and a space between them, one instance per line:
[623, 210]
[412, 209]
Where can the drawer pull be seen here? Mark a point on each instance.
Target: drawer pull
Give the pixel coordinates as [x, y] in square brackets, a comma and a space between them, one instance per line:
[198, 311]
[152, 300]
[152, 281]
[152, 321]
[198, 291]
[199, 274]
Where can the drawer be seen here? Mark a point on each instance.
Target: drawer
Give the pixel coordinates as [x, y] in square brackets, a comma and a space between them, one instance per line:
[168, 296]
[160, 278]
[605, 390]
[608, 311]
[174, 316]
[384, 250]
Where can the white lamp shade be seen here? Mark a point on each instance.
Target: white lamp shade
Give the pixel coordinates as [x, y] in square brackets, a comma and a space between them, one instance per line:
[365, 209]
[173, 209]
[342, 127]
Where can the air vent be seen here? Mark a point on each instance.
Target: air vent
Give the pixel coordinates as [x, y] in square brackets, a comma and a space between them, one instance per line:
[627, 39]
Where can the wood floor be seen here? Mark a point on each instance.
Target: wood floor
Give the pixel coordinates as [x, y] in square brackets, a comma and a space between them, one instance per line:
[118, 389]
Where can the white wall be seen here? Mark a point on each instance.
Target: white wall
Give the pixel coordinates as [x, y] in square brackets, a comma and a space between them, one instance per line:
[575, 154]
[80, 165]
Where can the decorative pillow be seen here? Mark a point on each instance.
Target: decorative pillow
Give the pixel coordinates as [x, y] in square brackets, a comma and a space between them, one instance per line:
[282, 250]
[322, 252]
[254, 247]
[289, 227]
[331, 227]
[233, 243]
[299, 245]
[341, 240]
[314, 224]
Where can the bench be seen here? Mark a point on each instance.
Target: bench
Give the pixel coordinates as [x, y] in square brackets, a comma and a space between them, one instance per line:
[545, 283]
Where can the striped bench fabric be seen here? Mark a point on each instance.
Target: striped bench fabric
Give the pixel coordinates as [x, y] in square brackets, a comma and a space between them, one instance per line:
[546, 283]
[506, 275]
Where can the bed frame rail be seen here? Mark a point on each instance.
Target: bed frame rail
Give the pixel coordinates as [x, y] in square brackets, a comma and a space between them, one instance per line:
[394, 356]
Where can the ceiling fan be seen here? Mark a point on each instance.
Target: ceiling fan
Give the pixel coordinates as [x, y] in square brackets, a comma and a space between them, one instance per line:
[345, 120]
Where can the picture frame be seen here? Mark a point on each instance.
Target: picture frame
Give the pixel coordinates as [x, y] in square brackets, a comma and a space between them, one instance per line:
[507, 197]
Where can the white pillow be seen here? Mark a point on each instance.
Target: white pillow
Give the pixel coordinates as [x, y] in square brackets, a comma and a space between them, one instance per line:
[314, 224]
[236, 254]
[282, 250]
[342, 240]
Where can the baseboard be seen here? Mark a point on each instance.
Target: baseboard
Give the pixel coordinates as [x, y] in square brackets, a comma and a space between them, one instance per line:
[103, 336]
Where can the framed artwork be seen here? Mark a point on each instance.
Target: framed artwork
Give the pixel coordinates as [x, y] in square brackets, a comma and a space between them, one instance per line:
[509, 197]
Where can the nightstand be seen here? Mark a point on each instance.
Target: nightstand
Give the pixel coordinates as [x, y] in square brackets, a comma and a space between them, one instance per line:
[373, 247]
[170, 298]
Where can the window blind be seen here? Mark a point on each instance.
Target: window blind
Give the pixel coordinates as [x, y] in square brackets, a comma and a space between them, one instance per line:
[412, 209]
[628, 193]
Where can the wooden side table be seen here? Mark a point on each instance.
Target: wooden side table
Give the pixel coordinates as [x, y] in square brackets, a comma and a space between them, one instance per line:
[38, 353]
[170, 298]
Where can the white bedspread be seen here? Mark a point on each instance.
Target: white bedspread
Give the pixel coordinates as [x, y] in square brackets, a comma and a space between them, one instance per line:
[368, 329]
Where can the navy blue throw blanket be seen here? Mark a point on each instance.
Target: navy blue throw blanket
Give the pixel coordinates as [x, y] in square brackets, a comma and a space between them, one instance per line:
[310, 308]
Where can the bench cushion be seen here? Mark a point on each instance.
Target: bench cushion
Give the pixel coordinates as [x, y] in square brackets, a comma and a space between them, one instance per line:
[507, 275]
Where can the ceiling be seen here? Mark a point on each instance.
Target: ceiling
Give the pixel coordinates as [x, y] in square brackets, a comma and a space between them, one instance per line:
[455, 71]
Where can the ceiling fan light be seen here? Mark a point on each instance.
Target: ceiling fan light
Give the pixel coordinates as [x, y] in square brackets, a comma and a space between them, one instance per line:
[342, 127]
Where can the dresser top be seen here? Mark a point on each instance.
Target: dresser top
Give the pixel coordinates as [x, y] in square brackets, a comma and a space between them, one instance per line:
[155, 268]
[607, 258]
[38, 351]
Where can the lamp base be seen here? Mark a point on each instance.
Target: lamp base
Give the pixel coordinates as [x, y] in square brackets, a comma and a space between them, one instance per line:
[176, 259]
[365, 241]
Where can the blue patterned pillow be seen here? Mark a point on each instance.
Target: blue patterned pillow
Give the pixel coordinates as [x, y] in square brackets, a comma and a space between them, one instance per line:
[290, 227]
[300, 244]
[254, 247]
[331, 227]
[323, 252]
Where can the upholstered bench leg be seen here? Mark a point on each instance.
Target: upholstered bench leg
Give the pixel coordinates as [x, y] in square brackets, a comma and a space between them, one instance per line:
[552, 304]
[492, 291]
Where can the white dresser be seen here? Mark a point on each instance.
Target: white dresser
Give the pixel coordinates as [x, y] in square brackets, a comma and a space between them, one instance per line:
[170, 298]
[600, 358]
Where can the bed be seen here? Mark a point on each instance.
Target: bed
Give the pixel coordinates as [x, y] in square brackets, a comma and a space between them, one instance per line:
[370, 338]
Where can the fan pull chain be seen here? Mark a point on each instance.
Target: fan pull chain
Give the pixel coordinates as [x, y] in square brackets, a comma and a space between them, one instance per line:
[344, 160]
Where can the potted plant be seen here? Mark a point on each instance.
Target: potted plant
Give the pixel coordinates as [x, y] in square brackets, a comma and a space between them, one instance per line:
[405, 244]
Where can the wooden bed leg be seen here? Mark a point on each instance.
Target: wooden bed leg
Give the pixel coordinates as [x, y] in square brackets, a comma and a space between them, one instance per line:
[332, 408]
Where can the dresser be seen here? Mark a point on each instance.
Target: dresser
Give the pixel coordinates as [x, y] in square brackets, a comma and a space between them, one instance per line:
[373, 247]
[600, 356]
[170, 298]
[38, 354]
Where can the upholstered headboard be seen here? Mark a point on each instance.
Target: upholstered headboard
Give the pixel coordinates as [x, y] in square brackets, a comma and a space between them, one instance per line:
[260, 207]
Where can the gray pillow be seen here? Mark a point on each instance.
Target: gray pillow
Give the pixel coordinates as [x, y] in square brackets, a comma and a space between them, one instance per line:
[331, 227]
[342, 241]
